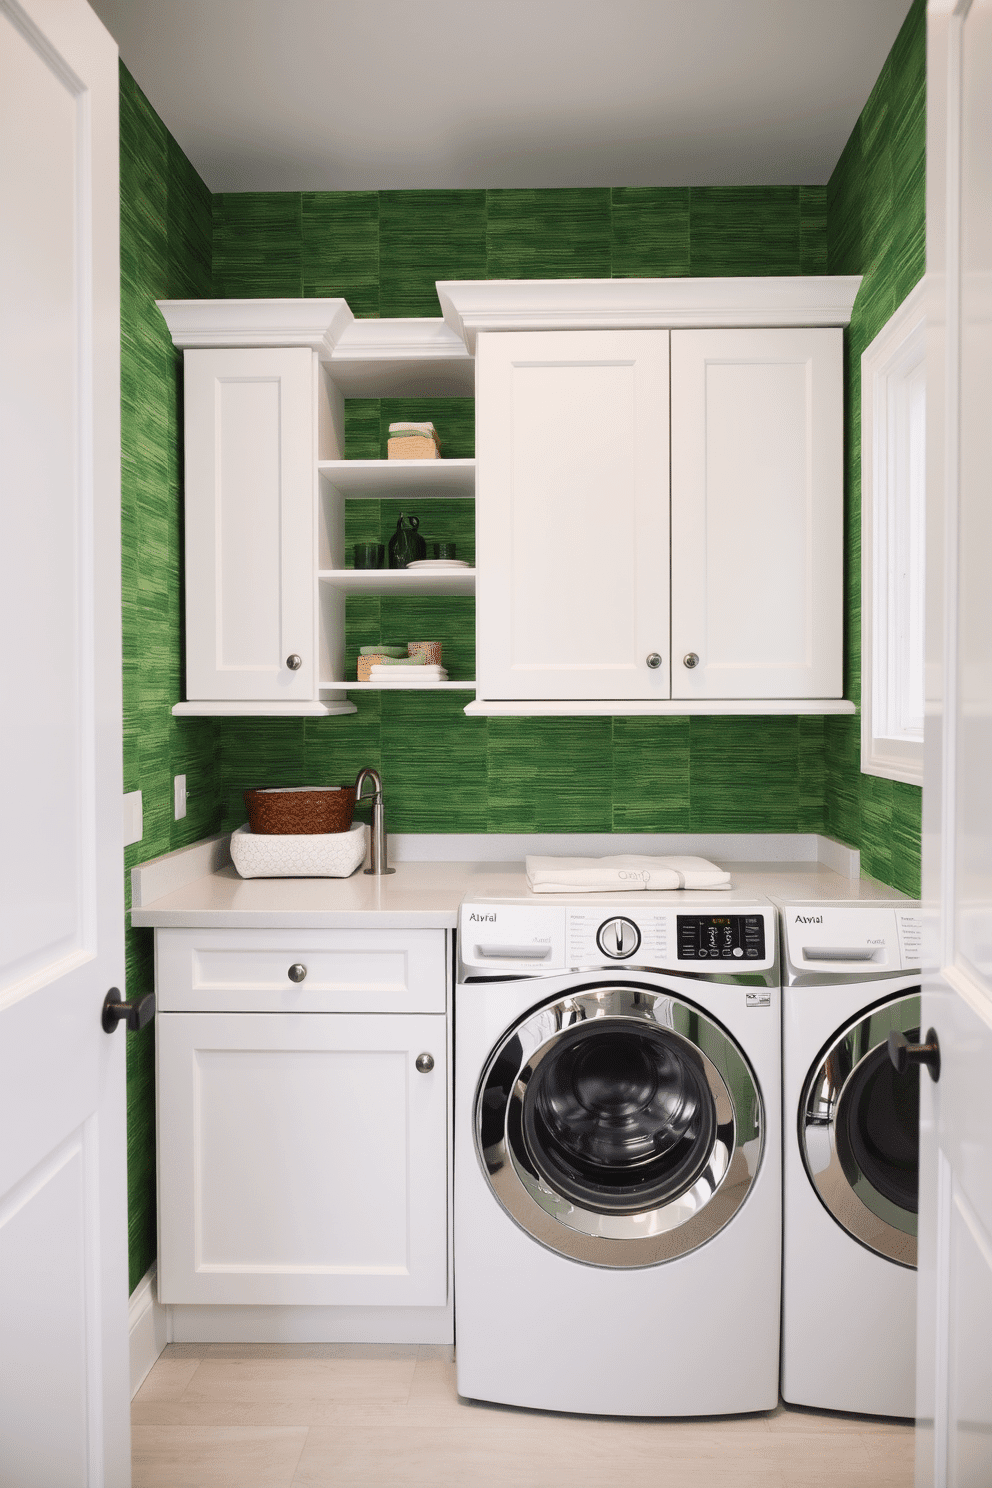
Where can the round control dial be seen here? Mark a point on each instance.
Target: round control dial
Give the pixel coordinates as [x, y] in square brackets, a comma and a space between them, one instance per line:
[618, 938]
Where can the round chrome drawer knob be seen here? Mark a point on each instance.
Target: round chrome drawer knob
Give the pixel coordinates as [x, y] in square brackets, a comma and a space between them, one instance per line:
[425, 1063]
[297, 972]
[294, 662]
[692, 660]
[654, 661]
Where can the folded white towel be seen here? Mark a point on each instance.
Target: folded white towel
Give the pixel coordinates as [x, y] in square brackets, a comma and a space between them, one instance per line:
[407, 676]
[625, 873]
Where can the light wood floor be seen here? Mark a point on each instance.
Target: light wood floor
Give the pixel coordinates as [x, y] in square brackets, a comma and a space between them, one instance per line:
[253, 1416]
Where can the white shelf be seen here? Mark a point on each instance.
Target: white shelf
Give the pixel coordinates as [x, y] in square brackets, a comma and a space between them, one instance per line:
[401, 686]
[231, 708]
[405, 480]
[449, 582]
[677, 707]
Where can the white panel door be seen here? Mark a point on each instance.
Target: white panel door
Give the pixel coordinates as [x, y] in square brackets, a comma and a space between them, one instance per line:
[302, 1159]
[64, 1388]
[954, 1374]
[572, 514]
[250, 523]
[757, 514]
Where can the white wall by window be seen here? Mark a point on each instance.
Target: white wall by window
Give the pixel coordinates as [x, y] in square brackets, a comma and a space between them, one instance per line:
[893, 470]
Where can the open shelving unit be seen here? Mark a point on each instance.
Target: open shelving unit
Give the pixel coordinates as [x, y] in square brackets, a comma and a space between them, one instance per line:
[395, 480]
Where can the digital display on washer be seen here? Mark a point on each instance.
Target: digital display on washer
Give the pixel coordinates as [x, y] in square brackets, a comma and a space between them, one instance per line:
[721, 937]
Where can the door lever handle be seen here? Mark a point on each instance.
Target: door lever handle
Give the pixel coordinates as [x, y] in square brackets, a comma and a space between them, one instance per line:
[902, 1053]
[135, 1014]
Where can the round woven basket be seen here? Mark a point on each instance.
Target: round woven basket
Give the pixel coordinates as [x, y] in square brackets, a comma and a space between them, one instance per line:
[300, 810]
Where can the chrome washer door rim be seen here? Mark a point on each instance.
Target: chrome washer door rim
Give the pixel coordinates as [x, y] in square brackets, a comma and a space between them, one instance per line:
[652, 1235]
[845, 1192]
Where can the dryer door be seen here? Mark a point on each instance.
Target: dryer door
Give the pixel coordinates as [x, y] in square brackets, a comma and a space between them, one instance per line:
[619, 1126]
[859, 1131]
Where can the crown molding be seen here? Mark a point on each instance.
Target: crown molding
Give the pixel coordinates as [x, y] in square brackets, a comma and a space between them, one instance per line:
[317, 324]
[470, 306]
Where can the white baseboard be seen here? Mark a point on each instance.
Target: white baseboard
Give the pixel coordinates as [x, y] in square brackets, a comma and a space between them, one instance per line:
[221, 1324]
[148, 1328]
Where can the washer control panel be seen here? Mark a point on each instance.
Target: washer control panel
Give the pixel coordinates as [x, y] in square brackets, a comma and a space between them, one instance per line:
[510, 938]
[735, 937]
[618, 938]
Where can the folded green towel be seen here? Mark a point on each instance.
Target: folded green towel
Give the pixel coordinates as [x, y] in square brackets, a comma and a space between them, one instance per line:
[419, 660]
[382, 651]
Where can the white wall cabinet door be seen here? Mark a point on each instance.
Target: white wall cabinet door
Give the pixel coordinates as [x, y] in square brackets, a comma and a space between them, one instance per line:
[302, 1159]
[757, 514]
[250, 520]
[572, 514]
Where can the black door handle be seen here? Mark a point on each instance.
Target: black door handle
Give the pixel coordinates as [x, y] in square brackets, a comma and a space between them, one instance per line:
[902, 1053]
[135, 1014]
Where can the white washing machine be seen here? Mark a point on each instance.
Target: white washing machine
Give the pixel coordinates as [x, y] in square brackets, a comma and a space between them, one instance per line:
[617, 1153]
[850, 974]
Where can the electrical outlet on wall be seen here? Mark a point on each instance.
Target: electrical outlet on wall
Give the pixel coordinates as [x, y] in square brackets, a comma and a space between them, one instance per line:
[179, 784]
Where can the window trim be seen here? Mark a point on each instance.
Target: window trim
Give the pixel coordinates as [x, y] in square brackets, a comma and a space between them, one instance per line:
[892, 357]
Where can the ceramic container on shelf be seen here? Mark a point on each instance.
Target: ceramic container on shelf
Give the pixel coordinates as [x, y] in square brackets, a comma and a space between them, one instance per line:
[406, 543]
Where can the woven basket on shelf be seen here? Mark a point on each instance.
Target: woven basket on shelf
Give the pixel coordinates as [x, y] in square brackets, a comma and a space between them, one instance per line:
[300, 811]
[412, 447]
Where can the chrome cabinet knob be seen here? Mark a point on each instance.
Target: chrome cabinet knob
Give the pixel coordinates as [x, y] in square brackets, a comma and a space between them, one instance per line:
[425, 1063]
[654, 661]
[691, 660]
[294, 662]
[297, 971]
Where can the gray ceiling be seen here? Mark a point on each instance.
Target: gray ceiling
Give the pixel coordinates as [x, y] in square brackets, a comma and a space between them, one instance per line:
[290, 95]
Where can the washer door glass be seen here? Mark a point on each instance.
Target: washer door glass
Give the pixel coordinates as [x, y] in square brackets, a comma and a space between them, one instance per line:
[619, 1126]
[859, 1131]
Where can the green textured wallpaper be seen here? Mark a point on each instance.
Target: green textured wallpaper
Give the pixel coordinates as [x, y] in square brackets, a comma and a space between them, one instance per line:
[876, 227]
[443, 771]
[165, 253]
[383, 252]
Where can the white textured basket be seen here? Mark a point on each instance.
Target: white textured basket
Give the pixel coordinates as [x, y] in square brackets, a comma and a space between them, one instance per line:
[314, 855]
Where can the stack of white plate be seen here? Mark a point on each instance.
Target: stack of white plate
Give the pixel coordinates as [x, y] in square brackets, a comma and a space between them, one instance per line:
[439, 563]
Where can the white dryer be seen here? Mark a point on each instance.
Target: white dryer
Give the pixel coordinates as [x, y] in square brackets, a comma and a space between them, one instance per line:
[850, 974]
[617, 1154]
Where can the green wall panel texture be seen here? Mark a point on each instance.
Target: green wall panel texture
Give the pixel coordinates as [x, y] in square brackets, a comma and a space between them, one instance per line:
[166, 248]
[875, 227]
[383, 252]
[443, 771]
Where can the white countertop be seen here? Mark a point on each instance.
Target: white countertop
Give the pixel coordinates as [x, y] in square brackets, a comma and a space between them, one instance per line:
[204, 891]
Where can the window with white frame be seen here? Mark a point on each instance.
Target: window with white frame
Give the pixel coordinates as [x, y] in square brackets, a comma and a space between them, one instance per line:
[893, 488]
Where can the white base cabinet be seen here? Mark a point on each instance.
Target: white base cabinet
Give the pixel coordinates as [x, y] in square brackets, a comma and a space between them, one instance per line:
[303, 1156]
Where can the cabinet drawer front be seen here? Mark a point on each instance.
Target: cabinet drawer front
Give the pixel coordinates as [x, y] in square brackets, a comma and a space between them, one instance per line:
[360, 971]
[302, 1161]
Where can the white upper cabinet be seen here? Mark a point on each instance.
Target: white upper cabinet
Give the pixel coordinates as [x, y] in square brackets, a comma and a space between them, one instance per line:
[250, 458]
[757, 514]
[660, 493]
[572, 515]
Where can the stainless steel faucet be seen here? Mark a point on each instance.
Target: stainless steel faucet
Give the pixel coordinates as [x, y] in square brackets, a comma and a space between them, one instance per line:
[377, 857]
